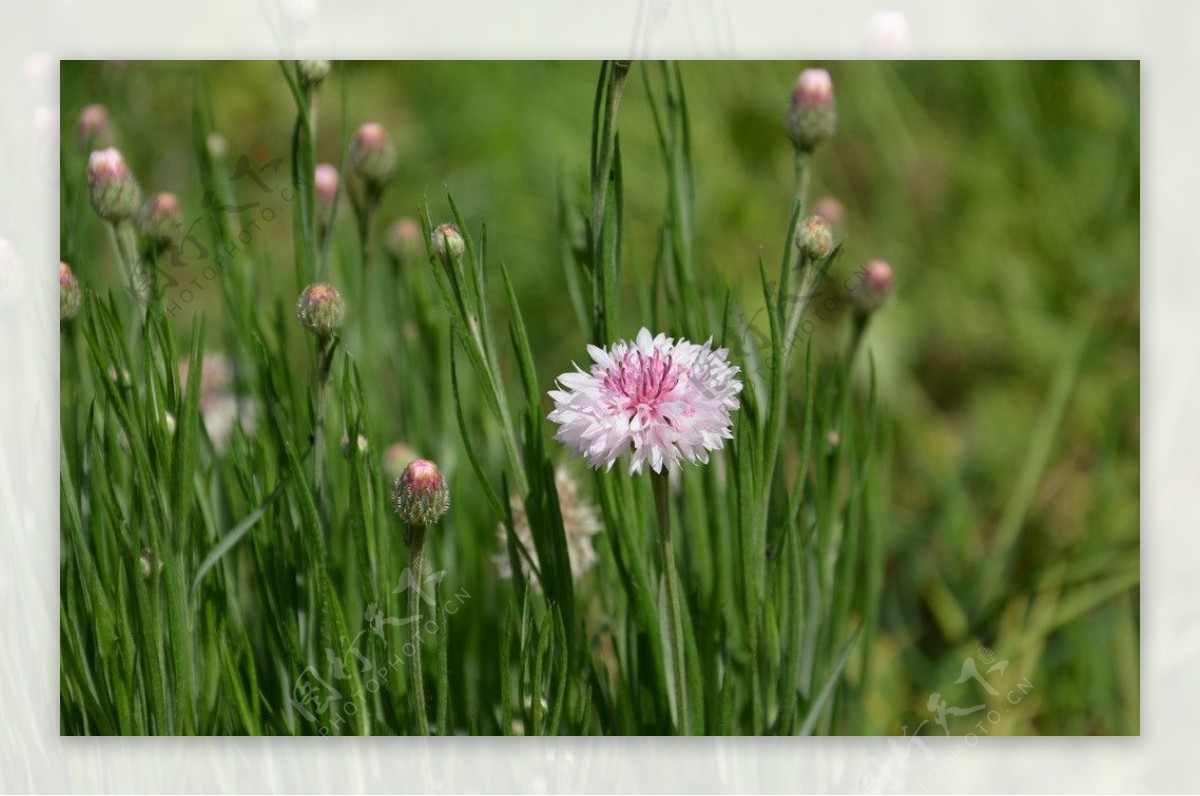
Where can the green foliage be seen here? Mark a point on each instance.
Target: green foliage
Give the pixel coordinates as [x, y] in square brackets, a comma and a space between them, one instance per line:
[960, 474]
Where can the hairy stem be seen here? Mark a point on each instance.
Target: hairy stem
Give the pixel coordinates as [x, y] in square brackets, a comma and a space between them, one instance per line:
[662, 501]
[416, 553]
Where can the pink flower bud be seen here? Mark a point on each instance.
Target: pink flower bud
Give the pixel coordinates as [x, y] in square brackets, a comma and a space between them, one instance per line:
[160, 218]
[396, 458]
[812, 117]
[321, 309]
[875, 286]
[420, 495]
[325, 183]
[94, 129]
[114, 191]
[832, 211]
[70, 297]
[403, 240]
[372, 155]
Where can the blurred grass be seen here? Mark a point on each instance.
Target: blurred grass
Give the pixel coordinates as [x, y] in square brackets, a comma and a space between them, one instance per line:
[1006, 196]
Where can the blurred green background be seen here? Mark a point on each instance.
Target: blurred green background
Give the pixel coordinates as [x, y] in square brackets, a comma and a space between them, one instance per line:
[1004, 194]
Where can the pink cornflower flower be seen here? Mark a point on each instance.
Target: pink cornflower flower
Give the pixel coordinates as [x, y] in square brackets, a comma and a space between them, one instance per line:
[658, 399]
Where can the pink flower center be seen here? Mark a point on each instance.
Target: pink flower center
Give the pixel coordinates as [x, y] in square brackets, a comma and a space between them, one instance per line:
[642, 382]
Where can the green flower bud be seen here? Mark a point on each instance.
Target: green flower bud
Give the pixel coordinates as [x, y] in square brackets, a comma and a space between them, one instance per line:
[321, 309]
[448, 240]
[814, 238]
[160, 219]
[874, 288]
[114, 191]
[421, 496]
[812, 117]
[314, 72]
[70, 297]
[372, 155]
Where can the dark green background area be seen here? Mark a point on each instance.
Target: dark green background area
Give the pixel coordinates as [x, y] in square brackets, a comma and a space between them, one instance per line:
[1005, 195]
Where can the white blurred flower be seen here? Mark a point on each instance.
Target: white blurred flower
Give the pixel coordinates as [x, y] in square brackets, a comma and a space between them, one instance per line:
[298, 13]
[887, 35]
[41, 77]
[45, 137]
[580, 522]
[12, 276]
[220, 408]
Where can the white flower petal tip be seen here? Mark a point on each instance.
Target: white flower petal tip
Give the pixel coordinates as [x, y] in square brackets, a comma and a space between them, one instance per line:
[660, 400]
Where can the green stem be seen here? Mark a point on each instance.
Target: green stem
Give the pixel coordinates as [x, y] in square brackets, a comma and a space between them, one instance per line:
[325, 347]
[802, 173]
[662, 501]
[602, 169]
[122, 235]
[416, 553]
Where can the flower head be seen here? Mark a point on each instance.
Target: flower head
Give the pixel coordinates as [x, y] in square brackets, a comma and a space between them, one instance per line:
[580, 522]
[94, 129]
[875, 286]
[421, 496]
[372, 155]
[833, 211]
[160, 218]
[657, 399]
[812, 117]
[325, 184]
[70, 297]
[396, 458]
[447, 239]
[321, 309]
[221, 408]
[114, 191]
[314, 71]
[403, 239]
[814, 238]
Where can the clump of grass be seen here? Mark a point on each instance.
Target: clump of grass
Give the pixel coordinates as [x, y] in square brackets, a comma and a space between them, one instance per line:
[245, 574]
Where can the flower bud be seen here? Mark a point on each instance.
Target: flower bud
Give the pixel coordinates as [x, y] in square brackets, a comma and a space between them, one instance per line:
[831, 210]
[874, 287]
[403, 239]
[114, 191]
[814, 238]
[812, 117]
[120, 378]
[321, 309]
[325, 184]
[448, 240]
[360, 443]
[314, 72]
[146, 563]
[421, 496]
[218, 146]
[396, 458]
[160, 219]
[70, 297]
[372, 155]
[94, 129]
